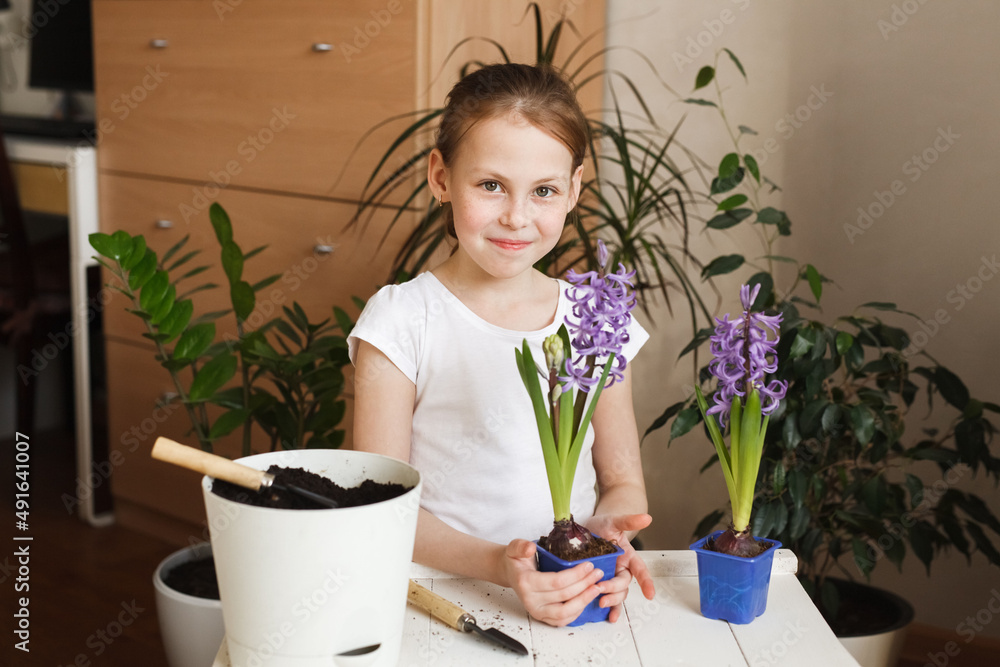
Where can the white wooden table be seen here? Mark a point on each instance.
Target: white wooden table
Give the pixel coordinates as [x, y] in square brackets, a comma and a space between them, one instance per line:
[667, 630]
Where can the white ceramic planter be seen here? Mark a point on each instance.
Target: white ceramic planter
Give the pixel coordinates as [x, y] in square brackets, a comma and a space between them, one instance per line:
[300, 587]
[881, 650]
[191, 627]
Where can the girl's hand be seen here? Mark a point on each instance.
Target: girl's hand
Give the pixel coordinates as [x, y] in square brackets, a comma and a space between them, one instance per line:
[556, 598]
[615, 590]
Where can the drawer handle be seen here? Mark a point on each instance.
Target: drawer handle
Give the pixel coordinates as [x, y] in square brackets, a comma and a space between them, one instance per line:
[324, 249]
[322, 47]
[159, 43]
[164, 224]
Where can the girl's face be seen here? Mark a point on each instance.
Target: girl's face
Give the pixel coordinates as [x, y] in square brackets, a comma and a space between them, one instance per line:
[510, 186]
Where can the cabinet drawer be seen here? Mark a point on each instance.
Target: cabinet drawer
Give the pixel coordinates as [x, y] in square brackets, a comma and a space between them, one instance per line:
[292, 228]
[244, 96]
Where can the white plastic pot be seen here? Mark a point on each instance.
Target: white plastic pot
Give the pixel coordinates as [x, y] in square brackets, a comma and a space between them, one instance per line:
[191, 627]
[300, 587]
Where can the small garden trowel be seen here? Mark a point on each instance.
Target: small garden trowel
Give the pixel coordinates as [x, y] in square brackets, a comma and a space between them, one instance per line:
[165, 449]
[457, 617]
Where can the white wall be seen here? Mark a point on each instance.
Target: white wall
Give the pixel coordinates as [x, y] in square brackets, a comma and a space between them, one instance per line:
[889, 94]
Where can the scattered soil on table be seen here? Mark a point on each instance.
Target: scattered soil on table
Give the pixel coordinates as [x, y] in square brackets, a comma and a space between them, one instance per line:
[195, 577]
[367, 493]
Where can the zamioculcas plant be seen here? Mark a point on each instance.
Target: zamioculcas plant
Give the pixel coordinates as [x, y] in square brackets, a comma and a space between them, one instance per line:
[563, 412]
[289, 368]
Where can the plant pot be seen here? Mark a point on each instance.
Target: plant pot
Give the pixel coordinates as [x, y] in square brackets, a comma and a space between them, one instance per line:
[191, 627]
[733, 588]
[872, 624]
[300, 587]
[593, 612]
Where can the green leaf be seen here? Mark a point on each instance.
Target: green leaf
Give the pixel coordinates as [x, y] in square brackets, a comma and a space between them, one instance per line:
[790, 432]
[175, 248]
[798, 483]
[728, 165]
[685, 421]
[729, 218]
[772, 216]
[137, 252]
[232, 262]
[844, 342]
[746, 130]
[242, 296]
[212, 376]
[705, 76]
[166, 304]
[800, 522]
[103, 244]
[778, 482]
[951, 387]
[221, 224]
[143, 271]
[344, 321]
[195, 341]
[722, 265]
[803, 342]
[266, 282]
[916, 489]
[861, 558]
[720, 185]
[752, 166]
[700, 102]
[815, 281]
[732, 202]
[863, 423]
[710, 521]
[736, 61]
[227, 423]
[662, 420]
[176, 320]
[153, 291]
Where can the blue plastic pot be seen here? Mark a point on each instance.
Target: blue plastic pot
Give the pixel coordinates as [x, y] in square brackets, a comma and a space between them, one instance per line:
[732, 588]
[593, 612]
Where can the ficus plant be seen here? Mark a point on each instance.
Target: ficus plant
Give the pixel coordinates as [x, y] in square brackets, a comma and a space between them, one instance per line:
[849, 477]
[289, 369]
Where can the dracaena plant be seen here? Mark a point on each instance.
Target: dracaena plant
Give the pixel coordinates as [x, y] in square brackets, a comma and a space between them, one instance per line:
[634, 193]
[290, 378]
[580, 361]
[743, 357]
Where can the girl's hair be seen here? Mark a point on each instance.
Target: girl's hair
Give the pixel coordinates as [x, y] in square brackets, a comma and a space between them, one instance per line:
[539, 94]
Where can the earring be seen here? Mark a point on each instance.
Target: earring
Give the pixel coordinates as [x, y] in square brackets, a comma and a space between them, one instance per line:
[441, 201]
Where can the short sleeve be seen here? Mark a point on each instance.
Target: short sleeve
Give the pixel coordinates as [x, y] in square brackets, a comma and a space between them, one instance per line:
[637, 337]
[393, 322]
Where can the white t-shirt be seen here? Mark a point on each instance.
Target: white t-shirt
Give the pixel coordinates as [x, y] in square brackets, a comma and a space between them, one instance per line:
[474, 439]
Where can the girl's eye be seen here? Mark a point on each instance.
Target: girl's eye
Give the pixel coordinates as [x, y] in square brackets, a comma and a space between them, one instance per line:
[544, 191]
[491, 186]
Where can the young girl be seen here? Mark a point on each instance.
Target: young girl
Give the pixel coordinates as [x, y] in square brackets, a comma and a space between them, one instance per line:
[436, 382]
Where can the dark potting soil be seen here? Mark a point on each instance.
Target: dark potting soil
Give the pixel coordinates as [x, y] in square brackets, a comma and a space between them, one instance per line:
[367, 493]
[195, 577]
[595, 547]
[761, 544]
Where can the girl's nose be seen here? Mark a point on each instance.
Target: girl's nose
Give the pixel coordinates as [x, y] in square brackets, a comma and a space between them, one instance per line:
[515, 215]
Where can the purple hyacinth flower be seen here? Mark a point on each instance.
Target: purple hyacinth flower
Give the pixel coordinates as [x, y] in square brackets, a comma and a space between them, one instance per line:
[601, 313]
[743, 357]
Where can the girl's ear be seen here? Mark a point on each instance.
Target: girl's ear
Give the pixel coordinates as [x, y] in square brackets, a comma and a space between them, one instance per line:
[437, 175]
[575, 185]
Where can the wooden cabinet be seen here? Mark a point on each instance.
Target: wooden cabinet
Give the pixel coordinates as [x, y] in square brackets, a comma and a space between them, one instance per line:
[260, 105]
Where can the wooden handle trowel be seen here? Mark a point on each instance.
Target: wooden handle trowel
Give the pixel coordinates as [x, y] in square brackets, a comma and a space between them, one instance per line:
[165, 449]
